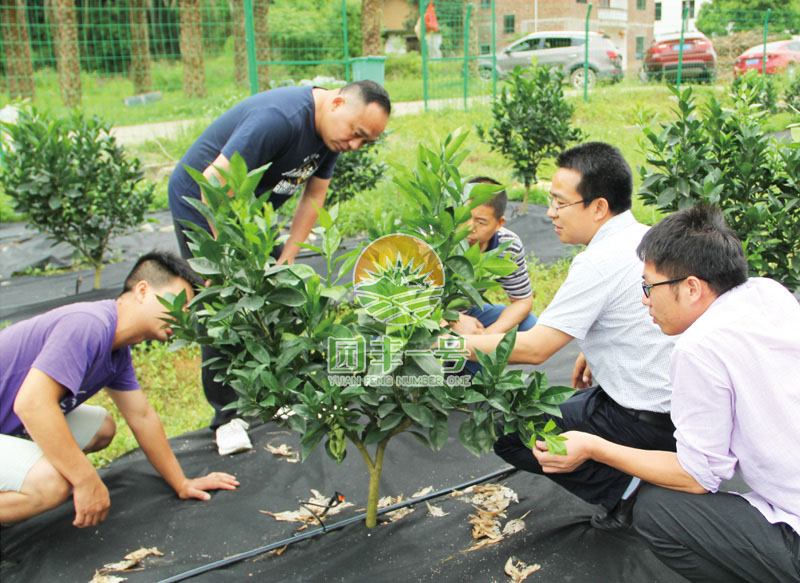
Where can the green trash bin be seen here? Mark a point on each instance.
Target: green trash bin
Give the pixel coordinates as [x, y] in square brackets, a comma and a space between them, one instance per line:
[368, 69]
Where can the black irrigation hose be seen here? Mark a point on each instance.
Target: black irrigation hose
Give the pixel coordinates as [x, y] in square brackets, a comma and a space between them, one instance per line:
[326, 529]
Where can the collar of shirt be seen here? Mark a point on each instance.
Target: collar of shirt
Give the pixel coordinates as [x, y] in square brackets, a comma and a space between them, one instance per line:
[612, 226]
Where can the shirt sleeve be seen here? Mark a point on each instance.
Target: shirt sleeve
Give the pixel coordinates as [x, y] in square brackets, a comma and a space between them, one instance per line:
[327, 165]
[73, 343]
[518, 283]
[703, 411]
[125, 378]
[579, 301]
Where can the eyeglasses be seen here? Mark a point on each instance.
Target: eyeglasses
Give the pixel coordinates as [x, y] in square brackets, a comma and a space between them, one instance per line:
[553, 206]
[646, 287]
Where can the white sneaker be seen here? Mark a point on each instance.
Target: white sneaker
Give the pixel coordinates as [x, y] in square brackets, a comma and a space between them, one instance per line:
[232, 437]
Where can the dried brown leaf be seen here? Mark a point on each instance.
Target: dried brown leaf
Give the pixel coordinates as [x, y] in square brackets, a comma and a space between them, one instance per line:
[284, 451]
[131, 561]
[317, 503]
[513, 526]
[424, 492]
[436, 511]
[519, 571]
[106, 578]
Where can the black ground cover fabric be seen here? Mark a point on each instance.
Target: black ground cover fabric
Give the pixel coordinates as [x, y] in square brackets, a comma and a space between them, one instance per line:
[418, 547]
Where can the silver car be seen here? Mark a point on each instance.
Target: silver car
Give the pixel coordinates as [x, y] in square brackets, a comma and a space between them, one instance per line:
[561, 49]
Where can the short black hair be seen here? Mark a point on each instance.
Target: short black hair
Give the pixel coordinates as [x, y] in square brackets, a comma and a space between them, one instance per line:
[696, 241]
[500, 200]
[604, 174]
[370, 92]
[159, 268]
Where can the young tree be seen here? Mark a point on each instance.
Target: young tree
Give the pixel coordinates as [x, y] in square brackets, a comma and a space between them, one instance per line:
[73, 181]
[281, 328]
[531, 122]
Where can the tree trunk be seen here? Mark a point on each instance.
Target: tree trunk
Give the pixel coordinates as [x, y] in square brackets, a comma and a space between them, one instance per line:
[19, 64]
[239, 43]
[194, 76]
[263, 52]
[525, 198]
[371, 16]
[69, 69]
[140, 47]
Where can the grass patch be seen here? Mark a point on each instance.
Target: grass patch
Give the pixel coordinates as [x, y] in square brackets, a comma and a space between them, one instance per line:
[171, 382]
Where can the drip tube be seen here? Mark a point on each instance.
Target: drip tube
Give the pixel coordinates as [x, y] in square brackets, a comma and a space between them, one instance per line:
[326, 529]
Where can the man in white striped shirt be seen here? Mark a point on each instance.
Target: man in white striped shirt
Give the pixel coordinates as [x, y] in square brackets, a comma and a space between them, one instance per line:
[598, 305]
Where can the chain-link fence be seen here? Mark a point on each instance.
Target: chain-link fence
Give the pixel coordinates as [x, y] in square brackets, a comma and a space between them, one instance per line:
[735, 31]
[111, 57]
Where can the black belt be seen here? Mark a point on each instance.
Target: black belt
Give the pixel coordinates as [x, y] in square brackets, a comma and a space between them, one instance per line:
[660, 420]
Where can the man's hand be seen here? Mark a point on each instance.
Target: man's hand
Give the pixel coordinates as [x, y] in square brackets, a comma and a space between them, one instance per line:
[579, 449]
[467, 325]
[198, 487]
[91, 502]
[581, 375]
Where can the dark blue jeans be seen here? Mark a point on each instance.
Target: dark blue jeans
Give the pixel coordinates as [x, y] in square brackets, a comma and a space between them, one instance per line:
[217, 394]
[592, 411]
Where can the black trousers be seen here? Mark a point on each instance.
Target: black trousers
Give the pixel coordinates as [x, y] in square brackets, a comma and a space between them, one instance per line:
[592, 411]
[716, 537]
[217, 394]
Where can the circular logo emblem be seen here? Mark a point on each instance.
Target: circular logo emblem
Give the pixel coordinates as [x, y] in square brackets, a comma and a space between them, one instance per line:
[398, 279]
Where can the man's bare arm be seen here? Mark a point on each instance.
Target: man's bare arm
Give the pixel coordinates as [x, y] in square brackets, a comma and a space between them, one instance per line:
[533, 346]
[515, 312]
[149, 432]
[37, 406]
[305, 216]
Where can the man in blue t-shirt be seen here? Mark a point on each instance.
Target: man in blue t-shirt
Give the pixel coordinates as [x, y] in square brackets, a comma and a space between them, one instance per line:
[54, 362]
[300, 132]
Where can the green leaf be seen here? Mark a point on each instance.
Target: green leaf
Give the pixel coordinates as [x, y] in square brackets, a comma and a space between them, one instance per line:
[286, 296]
[419, 414]
[461, 266]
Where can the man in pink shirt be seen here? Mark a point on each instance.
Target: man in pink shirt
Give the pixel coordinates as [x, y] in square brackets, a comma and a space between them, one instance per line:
[735, 406]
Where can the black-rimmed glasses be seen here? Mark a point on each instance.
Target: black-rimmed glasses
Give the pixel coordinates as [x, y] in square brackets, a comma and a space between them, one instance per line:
[553, 206]
[646, 287]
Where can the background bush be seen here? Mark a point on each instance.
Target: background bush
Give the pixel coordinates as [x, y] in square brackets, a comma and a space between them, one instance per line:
[723, 156]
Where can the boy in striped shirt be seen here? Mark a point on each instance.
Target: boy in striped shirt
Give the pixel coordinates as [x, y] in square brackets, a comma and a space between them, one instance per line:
[488, 232]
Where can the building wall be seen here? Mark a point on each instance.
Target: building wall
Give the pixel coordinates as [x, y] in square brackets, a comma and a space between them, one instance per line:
[671, 14]
[395, 12]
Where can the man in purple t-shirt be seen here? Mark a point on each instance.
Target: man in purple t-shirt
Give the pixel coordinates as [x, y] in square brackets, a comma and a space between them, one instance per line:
[54, 362]
[735, 405]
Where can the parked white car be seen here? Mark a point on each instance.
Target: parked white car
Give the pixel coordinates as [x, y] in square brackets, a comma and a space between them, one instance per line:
[561, 49]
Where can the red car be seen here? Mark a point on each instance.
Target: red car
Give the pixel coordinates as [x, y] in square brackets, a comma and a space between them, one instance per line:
[782, 56]
[699, 58]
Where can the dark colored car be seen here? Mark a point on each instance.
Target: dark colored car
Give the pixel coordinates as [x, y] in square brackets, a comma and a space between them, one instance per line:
[699, 58]
[563, 50]
[783, 56]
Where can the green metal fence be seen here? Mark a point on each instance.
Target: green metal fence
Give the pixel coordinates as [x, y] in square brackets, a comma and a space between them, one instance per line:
[135, 61]
[176, 56]
[455, 38]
